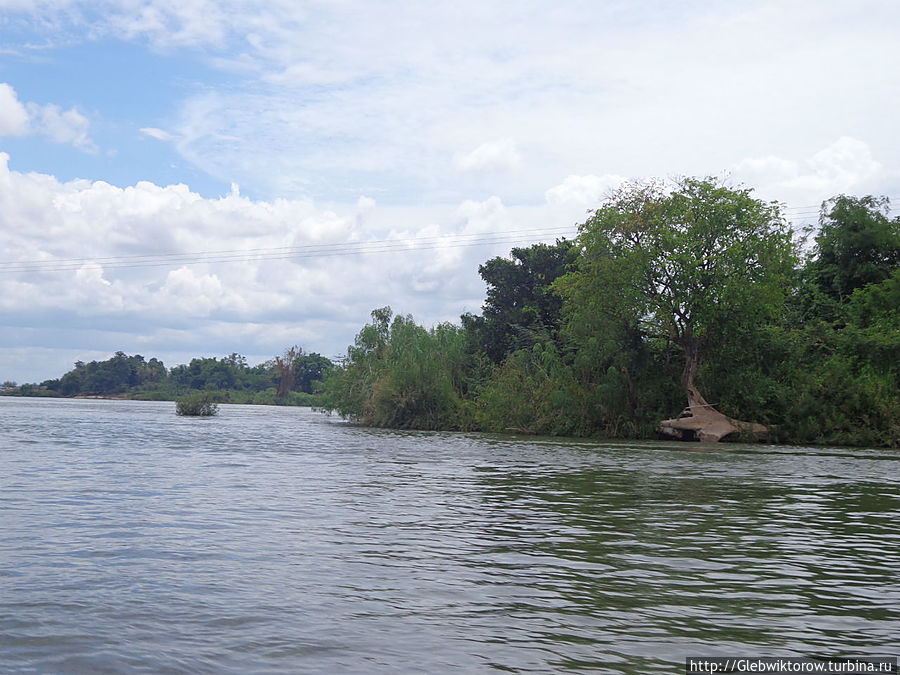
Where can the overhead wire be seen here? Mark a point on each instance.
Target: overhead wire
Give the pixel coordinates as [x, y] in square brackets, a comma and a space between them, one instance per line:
[802, 213]
[290, 252]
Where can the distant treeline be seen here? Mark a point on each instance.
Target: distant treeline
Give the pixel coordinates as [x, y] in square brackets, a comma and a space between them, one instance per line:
[668, 291]
[291, 378]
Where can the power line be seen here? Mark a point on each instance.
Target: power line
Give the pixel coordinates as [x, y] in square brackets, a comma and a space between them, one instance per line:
[290, 252]
[804, 212]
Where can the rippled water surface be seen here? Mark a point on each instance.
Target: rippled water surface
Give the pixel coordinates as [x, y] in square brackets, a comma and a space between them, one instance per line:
[278, 540]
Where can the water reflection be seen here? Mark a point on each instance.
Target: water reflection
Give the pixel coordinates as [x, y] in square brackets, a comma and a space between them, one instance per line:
[672, 553]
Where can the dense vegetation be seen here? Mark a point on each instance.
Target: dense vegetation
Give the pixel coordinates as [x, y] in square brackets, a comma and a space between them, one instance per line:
[196, 404]
[667, 292]
[292, 378]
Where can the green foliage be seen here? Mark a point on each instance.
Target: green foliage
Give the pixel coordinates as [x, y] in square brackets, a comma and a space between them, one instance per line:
[267, 397]
[230, 379]
[114, 376]
[400, 375]
[844, 369]
[211, 374]
[662, 286]
[839, 397]
[520, 310]
[534, 392]
[630, 381]
[750, 374]
[197, 404]
[689, 267]
[857, 245]
[875, 306]
[309, 372]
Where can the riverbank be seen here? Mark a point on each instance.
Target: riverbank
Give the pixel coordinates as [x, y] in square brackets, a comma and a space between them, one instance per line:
[219, 396]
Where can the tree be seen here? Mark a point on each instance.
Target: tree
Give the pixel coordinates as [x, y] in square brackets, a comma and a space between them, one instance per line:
[688, 266]
[857, 244]
[204, 373]
[308, 369]
[237, 361]
[285, 368]
[520, 309]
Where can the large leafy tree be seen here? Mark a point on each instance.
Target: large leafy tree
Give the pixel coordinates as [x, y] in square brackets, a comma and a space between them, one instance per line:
[689, 265]
[520, 309]
[857, 244]
[310, 369]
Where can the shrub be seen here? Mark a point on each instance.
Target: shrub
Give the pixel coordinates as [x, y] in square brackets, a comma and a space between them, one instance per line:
[400, 375]
[199, 404]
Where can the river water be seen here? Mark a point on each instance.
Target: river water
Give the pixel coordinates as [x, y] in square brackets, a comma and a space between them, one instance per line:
[280, 540]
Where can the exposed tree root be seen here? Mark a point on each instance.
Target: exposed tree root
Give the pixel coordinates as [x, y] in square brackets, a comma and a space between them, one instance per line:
[700, 421]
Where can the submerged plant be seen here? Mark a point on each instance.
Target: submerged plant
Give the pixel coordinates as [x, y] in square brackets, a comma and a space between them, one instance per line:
[198, 404]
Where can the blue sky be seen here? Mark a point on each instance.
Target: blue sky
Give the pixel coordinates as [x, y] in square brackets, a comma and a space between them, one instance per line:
[168, 128]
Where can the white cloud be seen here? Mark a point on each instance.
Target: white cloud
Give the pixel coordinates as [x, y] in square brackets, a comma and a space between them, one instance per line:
[91, 274]
[68, 127]
[62, 126]
[846, 165]
[334, 100]
[489, 215]
[13, 116]
[587, 190]
[465, 117]
[158, 134]
[172, 24]
[365, 204]
[186, 292]
[141, 266]
[490, 156]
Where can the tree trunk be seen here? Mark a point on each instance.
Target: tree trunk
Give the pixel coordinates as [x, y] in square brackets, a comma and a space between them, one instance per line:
[691, 361]
[285, 367]
[700, 421]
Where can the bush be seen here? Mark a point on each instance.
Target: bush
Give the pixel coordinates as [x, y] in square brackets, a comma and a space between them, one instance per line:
[400, 375]
[199, 404]
[534, 392]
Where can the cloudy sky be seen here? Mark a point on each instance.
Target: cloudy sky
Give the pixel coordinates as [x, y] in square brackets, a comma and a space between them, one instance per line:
[186, 178]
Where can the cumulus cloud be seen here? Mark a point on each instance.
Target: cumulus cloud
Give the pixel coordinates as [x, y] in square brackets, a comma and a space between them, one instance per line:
[365, 204]
[91, 274]
[146, 267]
[187, 292]
[67, 127]
[489, 156]
[583, 190]
[457, 117]
[489, 215]
[13, 116]
[844, 166]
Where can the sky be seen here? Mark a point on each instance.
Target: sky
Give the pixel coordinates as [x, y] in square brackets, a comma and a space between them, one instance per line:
[187, 178]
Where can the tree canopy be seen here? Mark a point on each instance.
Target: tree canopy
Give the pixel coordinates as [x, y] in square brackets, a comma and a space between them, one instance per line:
[687, 265]
[521, 309]
[857, 244]
[285, 377]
